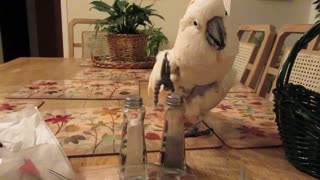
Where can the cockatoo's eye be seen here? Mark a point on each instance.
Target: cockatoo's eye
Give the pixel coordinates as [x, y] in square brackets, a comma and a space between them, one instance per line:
[195, 23]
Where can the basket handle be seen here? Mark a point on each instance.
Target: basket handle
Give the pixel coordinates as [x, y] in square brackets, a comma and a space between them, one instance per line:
[302, 43]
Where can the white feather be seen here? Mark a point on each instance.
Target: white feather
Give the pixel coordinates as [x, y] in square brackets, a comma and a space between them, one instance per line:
[194, 62]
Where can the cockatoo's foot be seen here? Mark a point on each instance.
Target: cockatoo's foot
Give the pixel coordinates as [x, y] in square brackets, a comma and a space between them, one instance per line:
[194, 131]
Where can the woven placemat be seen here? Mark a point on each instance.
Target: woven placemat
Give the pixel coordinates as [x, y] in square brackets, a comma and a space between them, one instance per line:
[114, 74]
[11, 105]
[76, 89]
[245, 123]
[97, 131]
[241, 88]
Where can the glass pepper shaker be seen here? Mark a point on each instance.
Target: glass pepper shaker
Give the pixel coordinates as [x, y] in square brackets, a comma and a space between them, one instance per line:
[173, 146]
[133, 152]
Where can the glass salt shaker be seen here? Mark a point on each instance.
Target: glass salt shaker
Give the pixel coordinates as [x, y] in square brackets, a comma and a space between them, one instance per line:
[173, 146]
[133, 152]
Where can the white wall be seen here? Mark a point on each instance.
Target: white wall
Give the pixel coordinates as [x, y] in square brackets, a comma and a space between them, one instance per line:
[313, 12]
[276, 12]
[171, 10]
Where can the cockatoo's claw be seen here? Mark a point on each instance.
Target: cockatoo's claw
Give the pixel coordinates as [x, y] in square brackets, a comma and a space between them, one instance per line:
[196, 133]
[165, 79]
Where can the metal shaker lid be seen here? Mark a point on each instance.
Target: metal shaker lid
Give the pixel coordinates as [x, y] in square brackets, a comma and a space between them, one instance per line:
[133, 102]
[174, 100]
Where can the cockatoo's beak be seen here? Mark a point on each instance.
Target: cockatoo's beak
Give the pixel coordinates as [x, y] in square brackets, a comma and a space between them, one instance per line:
[216, 33]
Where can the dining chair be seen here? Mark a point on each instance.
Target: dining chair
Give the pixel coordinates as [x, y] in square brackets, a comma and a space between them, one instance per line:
[246, 55]
[91, 43]
[273, 64]
[306, 71]
[255, 65]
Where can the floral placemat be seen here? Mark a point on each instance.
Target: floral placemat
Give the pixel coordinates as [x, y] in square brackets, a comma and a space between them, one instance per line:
[77, 89]
[86, 62]
[245, 123]
[97, 131]
[9, 105]
[241, 88]
[244, 96]
[114, 74]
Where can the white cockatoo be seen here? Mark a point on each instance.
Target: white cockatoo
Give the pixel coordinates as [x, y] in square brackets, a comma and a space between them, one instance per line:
[199, 66]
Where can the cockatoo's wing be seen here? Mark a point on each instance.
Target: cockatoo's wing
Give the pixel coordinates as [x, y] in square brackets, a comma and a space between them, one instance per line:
[161, 75]
[212, 97]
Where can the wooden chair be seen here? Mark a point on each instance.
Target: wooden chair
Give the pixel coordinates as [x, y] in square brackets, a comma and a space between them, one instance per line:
[247, 54]
[88, 39]
[306, 71]
[285, 54]
[257, 61]
[251, 58]
[272, 67]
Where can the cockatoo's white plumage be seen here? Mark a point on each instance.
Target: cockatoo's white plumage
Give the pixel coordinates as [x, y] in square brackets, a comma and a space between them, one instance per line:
[200, 64]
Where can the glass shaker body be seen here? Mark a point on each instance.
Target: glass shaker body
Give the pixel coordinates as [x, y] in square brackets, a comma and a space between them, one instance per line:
[133, 148]
[173, 144]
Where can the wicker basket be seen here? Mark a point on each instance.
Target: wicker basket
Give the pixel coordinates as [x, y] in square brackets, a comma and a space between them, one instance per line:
[128, 47]
[298, 114]
[106, 62]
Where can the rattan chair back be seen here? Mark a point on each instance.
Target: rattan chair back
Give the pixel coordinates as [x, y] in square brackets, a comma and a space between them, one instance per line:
[71, 34]
[254, 68]
[243, 61]
[271, 70]
[297, 102]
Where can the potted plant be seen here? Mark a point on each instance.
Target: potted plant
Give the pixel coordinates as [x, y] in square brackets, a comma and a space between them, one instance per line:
[156, 37]
[126, 25]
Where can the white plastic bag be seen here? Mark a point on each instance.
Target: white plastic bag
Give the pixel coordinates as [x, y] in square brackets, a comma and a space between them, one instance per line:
[30, 149]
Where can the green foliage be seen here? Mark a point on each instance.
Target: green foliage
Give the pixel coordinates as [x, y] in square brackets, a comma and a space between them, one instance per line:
[110, 138]
[74, 139]
[156, 37]
[258, 39]
[124, 17]
[317, 17]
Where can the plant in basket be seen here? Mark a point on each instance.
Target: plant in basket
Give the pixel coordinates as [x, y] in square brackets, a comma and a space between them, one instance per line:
[156, 37]
[129, 26]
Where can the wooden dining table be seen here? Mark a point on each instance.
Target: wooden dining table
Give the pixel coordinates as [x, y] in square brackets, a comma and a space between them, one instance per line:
[219, 163]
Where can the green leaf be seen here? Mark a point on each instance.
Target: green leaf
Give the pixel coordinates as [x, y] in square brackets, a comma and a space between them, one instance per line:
[161, 17]
[124, 17]
[49, 114]
[109, 138]
[101, 123]
[124, 93]
[74, 139]
[87, 132]
[67, 140]
[101, 6]
[122, 4]
[146, 125]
